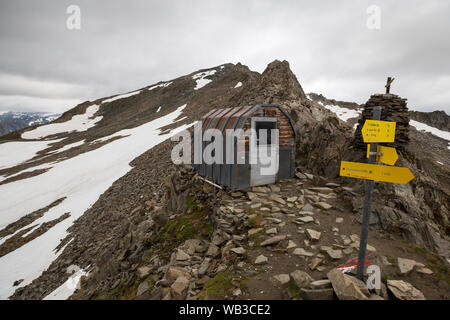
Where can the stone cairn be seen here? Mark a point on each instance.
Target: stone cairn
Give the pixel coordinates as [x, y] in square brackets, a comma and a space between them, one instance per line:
[393, 109]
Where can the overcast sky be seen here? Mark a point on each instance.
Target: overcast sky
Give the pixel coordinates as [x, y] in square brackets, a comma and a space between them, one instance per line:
[125, 45]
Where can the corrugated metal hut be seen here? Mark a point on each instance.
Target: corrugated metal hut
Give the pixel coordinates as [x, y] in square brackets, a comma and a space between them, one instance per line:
[242, 176]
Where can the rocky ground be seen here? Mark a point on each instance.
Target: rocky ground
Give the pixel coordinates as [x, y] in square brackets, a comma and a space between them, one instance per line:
[282, 241]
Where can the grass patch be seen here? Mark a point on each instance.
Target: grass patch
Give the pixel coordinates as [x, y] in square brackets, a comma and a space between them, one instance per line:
[390, 259]
[192, 205]
[294, 290]
[420, 250]
[255, 222]
[194, 224]
[440, 270]
[186, 227]
[219, 286]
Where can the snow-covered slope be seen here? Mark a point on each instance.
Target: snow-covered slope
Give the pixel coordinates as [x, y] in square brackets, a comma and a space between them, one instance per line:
[80, 180]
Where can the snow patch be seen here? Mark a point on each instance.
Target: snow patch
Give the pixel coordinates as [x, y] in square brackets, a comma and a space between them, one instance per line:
[342, 113]
[239, 84]
[15, 153]
[64, 291]
[159, 109]
[122, 96]
[434, 131]
[200, 78]
[162, 85]
[79, 122]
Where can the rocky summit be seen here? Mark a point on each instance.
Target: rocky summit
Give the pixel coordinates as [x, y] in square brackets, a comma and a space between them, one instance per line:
[96, 191]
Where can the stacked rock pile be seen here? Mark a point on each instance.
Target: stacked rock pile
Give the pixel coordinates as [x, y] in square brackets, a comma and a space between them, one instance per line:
[393, 108]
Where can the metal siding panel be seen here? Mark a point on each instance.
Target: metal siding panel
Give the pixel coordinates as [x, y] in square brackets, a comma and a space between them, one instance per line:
[244, 174]
[284, 171]
[231, 168]
[203, 166]
[218, 168]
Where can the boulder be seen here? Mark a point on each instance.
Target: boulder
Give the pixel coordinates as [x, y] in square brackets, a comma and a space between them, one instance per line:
[323, 205]
[179, 287]
[213, 251]
[315, 262]
[317, 294]
[143, 288]
[321, 284]
[307, 207]
[404, 291]
[332, 253]
[280, 279]
[143, 272]
[302, 252]
[261, 259]
[301, 278]
[407, 265]
[291, 244]
[173, 273]
[254, 231]
[182, 256]
[313, 234]
[347, 287]
[306, 219]
[273, 240]
[238, 250]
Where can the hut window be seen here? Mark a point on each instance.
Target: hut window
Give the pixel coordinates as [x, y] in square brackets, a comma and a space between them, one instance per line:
[265, 125]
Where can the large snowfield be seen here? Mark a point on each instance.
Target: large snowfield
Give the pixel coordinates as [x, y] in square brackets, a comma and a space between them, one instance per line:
[81, 179]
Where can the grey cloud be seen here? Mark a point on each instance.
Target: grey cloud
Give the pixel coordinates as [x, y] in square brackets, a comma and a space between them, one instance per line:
[124, 45]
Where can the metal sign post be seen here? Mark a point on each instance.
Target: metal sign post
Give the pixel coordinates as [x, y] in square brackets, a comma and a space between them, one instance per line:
[367, 205]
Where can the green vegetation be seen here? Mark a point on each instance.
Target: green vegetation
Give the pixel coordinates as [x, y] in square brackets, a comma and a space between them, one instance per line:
[255, 222]
[219, 286]
[192, 205]
[440, 270]
[294, 290]
[192, 225]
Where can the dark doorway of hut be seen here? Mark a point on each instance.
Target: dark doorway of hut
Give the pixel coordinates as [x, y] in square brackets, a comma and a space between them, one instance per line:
[264, 146]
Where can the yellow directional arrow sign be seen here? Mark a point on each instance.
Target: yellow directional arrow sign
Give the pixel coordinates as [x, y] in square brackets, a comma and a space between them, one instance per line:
[375, 172]
[388, 155]
[378, 131]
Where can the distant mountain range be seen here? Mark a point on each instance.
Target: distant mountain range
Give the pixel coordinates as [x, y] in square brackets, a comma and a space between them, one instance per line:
[11, 121]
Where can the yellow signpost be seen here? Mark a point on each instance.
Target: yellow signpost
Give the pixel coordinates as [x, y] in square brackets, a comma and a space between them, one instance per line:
[385, 155]
[375, 172]
[378, 131]
[374, 131]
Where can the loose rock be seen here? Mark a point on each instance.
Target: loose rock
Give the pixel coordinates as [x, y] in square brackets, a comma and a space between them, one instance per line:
[347, 287]
[404, 291]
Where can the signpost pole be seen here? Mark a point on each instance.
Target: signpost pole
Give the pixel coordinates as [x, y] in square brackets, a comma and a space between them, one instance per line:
[367, 205]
